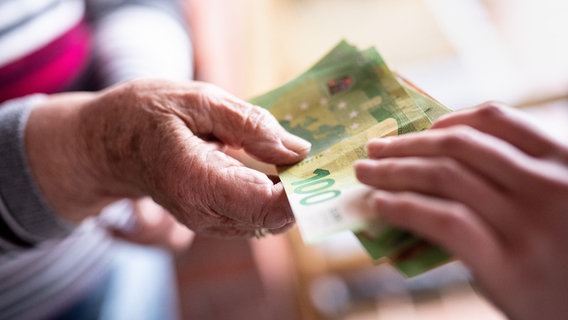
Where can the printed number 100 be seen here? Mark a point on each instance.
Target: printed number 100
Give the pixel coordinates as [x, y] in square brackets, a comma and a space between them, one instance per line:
[316, 188]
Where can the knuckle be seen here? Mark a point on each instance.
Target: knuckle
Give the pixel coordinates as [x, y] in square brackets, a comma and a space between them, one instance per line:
[444, 174]
[405, 204]
[256, 119]
[386, 170]
[457, 138]
[452, 219]
[138, 87]
[210, 90]
[492, 110]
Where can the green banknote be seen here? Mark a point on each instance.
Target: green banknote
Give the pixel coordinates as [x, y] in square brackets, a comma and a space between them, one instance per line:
[345, 99]
[408, 253]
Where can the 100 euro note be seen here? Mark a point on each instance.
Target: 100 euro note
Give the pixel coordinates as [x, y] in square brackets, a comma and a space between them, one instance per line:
[345, 99]
[410, 254]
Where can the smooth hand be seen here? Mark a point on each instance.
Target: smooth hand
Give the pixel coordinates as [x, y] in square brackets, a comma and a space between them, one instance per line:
[166, 140]
[493, 190]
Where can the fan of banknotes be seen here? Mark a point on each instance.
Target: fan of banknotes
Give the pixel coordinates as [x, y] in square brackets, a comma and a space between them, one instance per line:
[345, 99]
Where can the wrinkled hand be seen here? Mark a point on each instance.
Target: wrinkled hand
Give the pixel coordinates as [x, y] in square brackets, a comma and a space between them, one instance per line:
[166, 140]
[491, 189]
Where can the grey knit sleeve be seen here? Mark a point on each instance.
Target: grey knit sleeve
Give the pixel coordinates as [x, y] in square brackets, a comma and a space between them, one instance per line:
[25, 216]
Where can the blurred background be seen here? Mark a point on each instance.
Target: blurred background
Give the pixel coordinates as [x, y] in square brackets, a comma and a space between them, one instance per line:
[461, 52]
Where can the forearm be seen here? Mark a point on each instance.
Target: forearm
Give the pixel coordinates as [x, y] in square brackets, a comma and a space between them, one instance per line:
[55, 170]
[65, 173]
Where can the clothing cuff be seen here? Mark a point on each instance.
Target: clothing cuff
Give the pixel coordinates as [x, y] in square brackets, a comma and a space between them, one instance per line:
[23, 207]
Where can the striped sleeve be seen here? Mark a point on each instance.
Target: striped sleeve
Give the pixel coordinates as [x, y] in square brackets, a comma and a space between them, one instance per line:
[25, 216]
[140, 38]
[44, 46]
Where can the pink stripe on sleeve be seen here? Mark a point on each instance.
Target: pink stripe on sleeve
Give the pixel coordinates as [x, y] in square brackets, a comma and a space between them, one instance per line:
[49, 69]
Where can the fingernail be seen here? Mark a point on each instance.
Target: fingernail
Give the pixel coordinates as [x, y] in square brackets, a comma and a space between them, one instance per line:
[363, 164]
[381, 195]
[375, 145]
[379, 141]
[371, 203]
[296, 144]
[378, 197]
[364, 168]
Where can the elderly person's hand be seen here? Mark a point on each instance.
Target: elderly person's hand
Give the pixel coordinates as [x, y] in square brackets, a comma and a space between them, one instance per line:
[493, 190]
[165, 140]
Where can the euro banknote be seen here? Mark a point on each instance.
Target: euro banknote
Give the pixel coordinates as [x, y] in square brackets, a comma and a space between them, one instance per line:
[342, 101]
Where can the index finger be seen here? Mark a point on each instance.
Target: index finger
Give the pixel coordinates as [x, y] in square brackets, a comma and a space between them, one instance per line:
[492, 158]
[505, 123]
[240, 124]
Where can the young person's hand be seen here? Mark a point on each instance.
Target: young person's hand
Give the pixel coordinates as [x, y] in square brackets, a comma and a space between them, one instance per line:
[493, 190]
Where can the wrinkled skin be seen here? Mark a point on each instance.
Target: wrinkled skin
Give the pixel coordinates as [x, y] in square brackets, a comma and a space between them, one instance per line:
[166, 140]
[493, 190]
